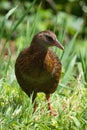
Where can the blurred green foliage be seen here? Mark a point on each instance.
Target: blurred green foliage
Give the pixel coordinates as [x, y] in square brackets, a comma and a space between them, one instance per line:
[69, 13]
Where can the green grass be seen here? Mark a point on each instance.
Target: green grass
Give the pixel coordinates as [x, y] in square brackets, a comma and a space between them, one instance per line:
[70, 98]
[16, 109]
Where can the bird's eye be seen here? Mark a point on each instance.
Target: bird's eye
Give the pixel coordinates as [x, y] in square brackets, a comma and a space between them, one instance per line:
[49, 38]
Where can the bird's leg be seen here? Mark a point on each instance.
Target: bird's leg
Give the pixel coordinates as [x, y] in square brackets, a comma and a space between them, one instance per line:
[52, 113]
[35, 106]
[34, 102]
[49, 105]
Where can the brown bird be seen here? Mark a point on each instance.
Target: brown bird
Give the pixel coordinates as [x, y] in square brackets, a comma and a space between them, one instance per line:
[37, 67]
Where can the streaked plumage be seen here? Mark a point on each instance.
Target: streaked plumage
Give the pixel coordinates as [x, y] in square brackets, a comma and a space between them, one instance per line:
[37, 68]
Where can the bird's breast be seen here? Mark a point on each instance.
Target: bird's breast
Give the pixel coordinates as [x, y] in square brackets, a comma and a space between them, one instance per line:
[41, 69]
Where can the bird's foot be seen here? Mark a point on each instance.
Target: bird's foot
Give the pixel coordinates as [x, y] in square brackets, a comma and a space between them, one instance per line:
[53, 113]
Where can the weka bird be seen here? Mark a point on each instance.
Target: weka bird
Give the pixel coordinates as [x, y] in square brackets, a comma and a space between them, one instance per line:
[37, 68]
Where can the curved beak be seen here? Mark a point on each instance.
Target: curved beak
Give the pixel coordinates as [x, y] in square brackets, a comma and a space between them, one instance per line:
[57, 44]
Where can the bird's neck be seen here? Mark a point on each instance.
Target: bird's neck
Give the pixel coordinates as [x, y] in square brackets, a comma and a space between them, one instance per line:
[39, 49]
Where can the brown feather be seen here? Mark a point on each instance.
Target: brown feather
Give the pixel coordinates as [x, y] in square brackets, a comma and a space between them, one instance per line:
[37, 68]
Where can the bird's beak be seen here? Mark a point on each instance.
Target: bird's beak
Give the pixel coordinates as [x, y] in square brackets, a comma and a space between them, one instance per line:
[57, 44]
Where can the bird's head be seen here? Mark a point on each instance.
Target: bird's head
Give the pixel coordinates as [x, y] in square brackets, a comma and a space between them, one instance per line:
[47, 39]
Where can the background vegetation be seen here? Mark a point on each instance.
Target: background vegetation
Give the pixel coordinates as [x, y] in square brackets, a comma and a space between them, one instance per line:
[19, 21]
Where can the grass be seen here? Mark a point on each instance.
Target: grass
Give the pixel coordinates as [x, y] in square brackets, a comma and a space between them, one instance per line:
[70, 99]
